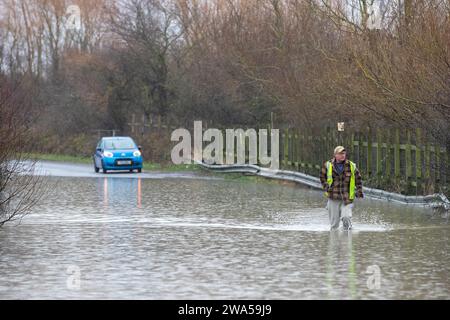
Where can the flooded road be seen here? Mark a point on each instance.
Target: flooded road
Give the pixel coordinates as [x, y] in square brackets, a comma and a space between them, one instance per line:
[197, 236]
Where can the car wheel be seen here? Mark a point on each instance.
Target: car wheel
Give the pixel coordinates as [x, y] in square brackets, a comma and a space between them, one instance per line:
[131, 170]
[96, 169]
[103, 167]
[139, 170]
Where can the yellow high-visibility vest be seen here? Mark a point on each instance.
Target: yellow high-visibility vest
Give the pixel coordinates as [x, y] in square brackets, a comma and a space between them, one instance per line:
[329, 166]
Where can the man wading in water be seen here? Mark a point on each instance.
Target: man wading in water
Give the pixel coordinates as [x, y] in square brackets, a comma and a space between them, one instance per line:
[340, 177]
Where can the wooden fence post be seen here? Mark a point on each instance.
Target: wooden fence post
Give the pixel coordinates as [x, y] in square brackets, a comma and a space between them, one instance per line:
[437, 171]
[378, 155]
[397, 155]
[446, 169]
[133, 123]
[418, 161]
[352, 141]
[296, 147]
[289, 159]
[359, 144]
[302, 150]
[285, 147]
[310, 154]
[388, 156]
[427, 162]
[143, 125]
[369, 152]
[408, 172]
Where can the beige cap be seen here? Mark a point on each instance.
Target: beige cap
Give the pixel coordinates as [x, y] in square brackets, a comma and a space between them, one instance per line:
[339, 149]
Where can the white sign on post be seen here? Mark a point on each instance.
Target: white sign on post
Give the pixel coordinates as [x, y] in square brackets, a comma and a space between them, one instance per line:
[340, 126]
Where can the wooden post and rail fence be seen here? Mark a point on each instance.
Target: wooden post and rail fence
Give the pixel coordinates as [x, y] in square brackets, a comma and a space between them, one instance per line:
[394, 159]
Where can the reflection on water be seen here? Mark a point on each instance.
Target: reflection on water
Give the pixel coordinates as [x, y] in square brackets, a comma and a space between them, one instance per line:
[218, 239]
[121, 191]
[340, 255]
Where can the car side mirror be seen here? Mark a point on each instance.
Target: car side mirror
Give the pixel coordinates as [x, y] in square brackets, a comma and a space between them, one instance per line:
[99, 149]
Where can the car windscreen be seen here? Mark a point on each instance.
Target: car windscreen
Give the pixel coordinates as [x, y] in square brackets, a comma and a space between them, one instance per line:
[115, 144]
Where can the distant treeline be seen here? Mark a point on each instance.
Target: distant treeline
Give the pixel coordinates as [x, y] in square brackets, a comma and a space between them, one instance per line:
[84, 66]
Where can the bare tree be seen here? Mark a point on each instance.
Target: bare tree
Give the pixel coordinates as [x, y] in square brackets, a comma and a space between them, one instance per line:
[20, 189]
[149, 30]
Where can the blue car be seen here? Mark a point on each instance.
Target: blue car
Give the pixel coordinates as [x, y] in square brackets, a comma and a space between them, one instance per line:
[117, 153]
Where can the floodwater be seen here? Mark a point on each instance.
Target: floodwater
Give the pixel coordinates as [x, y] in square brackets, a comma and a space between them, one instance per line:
[203, 236]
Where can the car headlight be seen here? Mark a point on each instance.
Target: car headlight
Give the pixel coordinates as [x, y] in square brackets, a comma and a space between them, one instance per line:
[137, 153]
[108, 154]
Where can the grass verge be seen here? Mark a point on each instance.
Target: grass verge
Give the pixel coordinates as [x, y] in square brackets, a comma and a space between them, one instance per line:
[149, 166]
